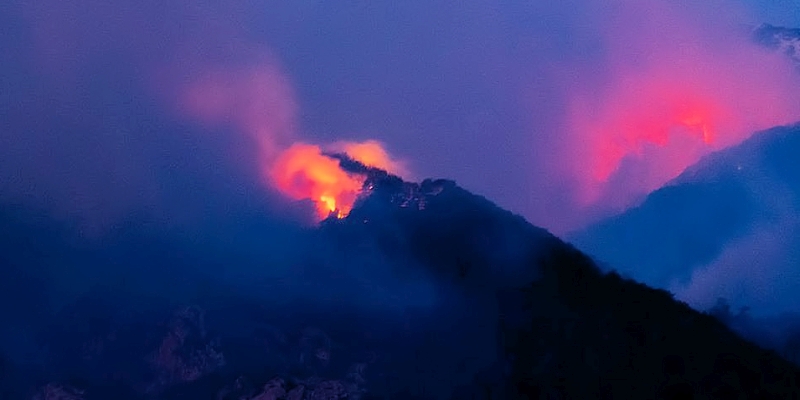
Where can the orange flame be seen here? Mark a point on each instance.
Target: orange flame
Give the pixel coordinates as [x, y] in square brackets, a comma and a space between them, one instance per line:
[303, 172]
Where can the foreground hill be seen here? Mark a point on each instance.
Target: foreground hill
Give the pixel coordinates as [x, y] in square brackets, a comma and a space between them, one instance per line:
[424, 291]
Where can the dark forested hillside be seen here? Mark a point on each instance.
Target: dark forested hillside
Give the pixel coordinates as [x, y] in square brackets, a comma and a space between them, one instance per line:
[424, 291]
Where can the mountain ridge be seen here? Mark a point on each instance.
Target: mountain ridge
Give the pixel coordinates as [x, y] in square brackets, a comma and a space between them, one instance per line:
[751, 177]
[727, 225]
[424, 291]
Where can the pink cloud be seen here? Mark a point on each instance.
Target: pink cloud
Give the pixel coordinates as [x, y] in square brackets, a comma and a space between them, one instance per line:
[255, 99]
[675, 82]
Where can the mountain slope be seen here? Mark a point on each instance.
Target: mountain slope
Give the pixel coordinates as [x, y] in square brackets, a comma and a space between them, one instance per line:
[723, 233]
[735, 196]
[424, 291]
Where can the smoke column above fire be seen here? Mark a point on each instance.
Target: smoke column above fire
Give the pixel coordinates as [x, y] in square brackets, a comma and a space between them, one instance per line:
[561, 111]
[258, 101]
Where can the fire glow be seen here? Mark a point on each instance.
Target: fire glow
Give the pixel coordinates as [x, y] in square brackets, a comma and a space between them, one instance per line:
[673, 83]
[304, 172]
[697, 120]
[257, 100]
[657, 120]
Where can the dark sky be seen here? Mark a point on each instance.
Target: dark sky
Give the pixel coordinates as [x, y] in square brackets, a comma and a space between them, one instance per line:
[122, 106]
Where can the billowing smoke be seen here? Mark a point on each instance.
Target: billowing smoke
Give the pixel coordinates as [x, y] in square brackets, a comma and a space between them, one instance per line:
[91, 95]
[676, 81]
[160, 124]
[132, 106]
[256, 100]
[561, 111]
[757, 271]
[145, 119]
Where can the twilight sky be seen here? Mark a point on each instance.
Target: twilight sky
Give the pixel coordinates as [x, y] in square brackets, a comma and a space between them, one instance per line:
[561, 112]
[777, 12]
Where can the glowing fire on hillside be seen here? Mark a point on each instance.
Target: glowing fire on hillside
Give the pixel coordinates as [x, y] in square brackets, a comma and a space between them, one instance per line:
[304, 171]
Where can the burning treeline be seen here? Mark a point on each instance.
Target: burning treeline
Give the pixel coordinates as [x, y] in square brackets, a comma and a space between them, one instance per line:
[305, 172]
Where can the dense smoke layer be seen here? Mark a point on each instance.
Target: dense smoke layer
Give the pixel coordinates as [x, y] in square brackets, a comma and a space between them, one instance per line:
[680, 81]
[219, 114]
[561, 111]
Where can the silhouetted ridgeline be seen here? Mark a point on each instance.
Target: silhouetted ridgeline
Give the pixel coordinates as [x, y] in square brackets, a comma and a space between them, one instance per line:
[729, 195]
[727, 227]
[424, 291]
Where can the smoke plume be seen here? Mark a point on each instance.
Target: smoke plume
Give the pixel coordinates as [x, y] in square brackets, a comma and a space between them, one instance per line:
[675, 81]
[563, 112]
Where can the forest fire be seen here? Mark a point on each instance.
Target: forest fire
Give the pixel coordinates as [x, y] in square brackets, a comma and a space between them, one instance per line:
[305, 172]
[372, 154]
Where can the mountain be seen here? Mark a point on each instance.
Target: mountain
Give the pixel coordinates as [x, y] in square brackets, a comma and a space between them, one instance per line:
[726, 227]
[723, 232]
[728, 196]
[786, 40]
[424, 291]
